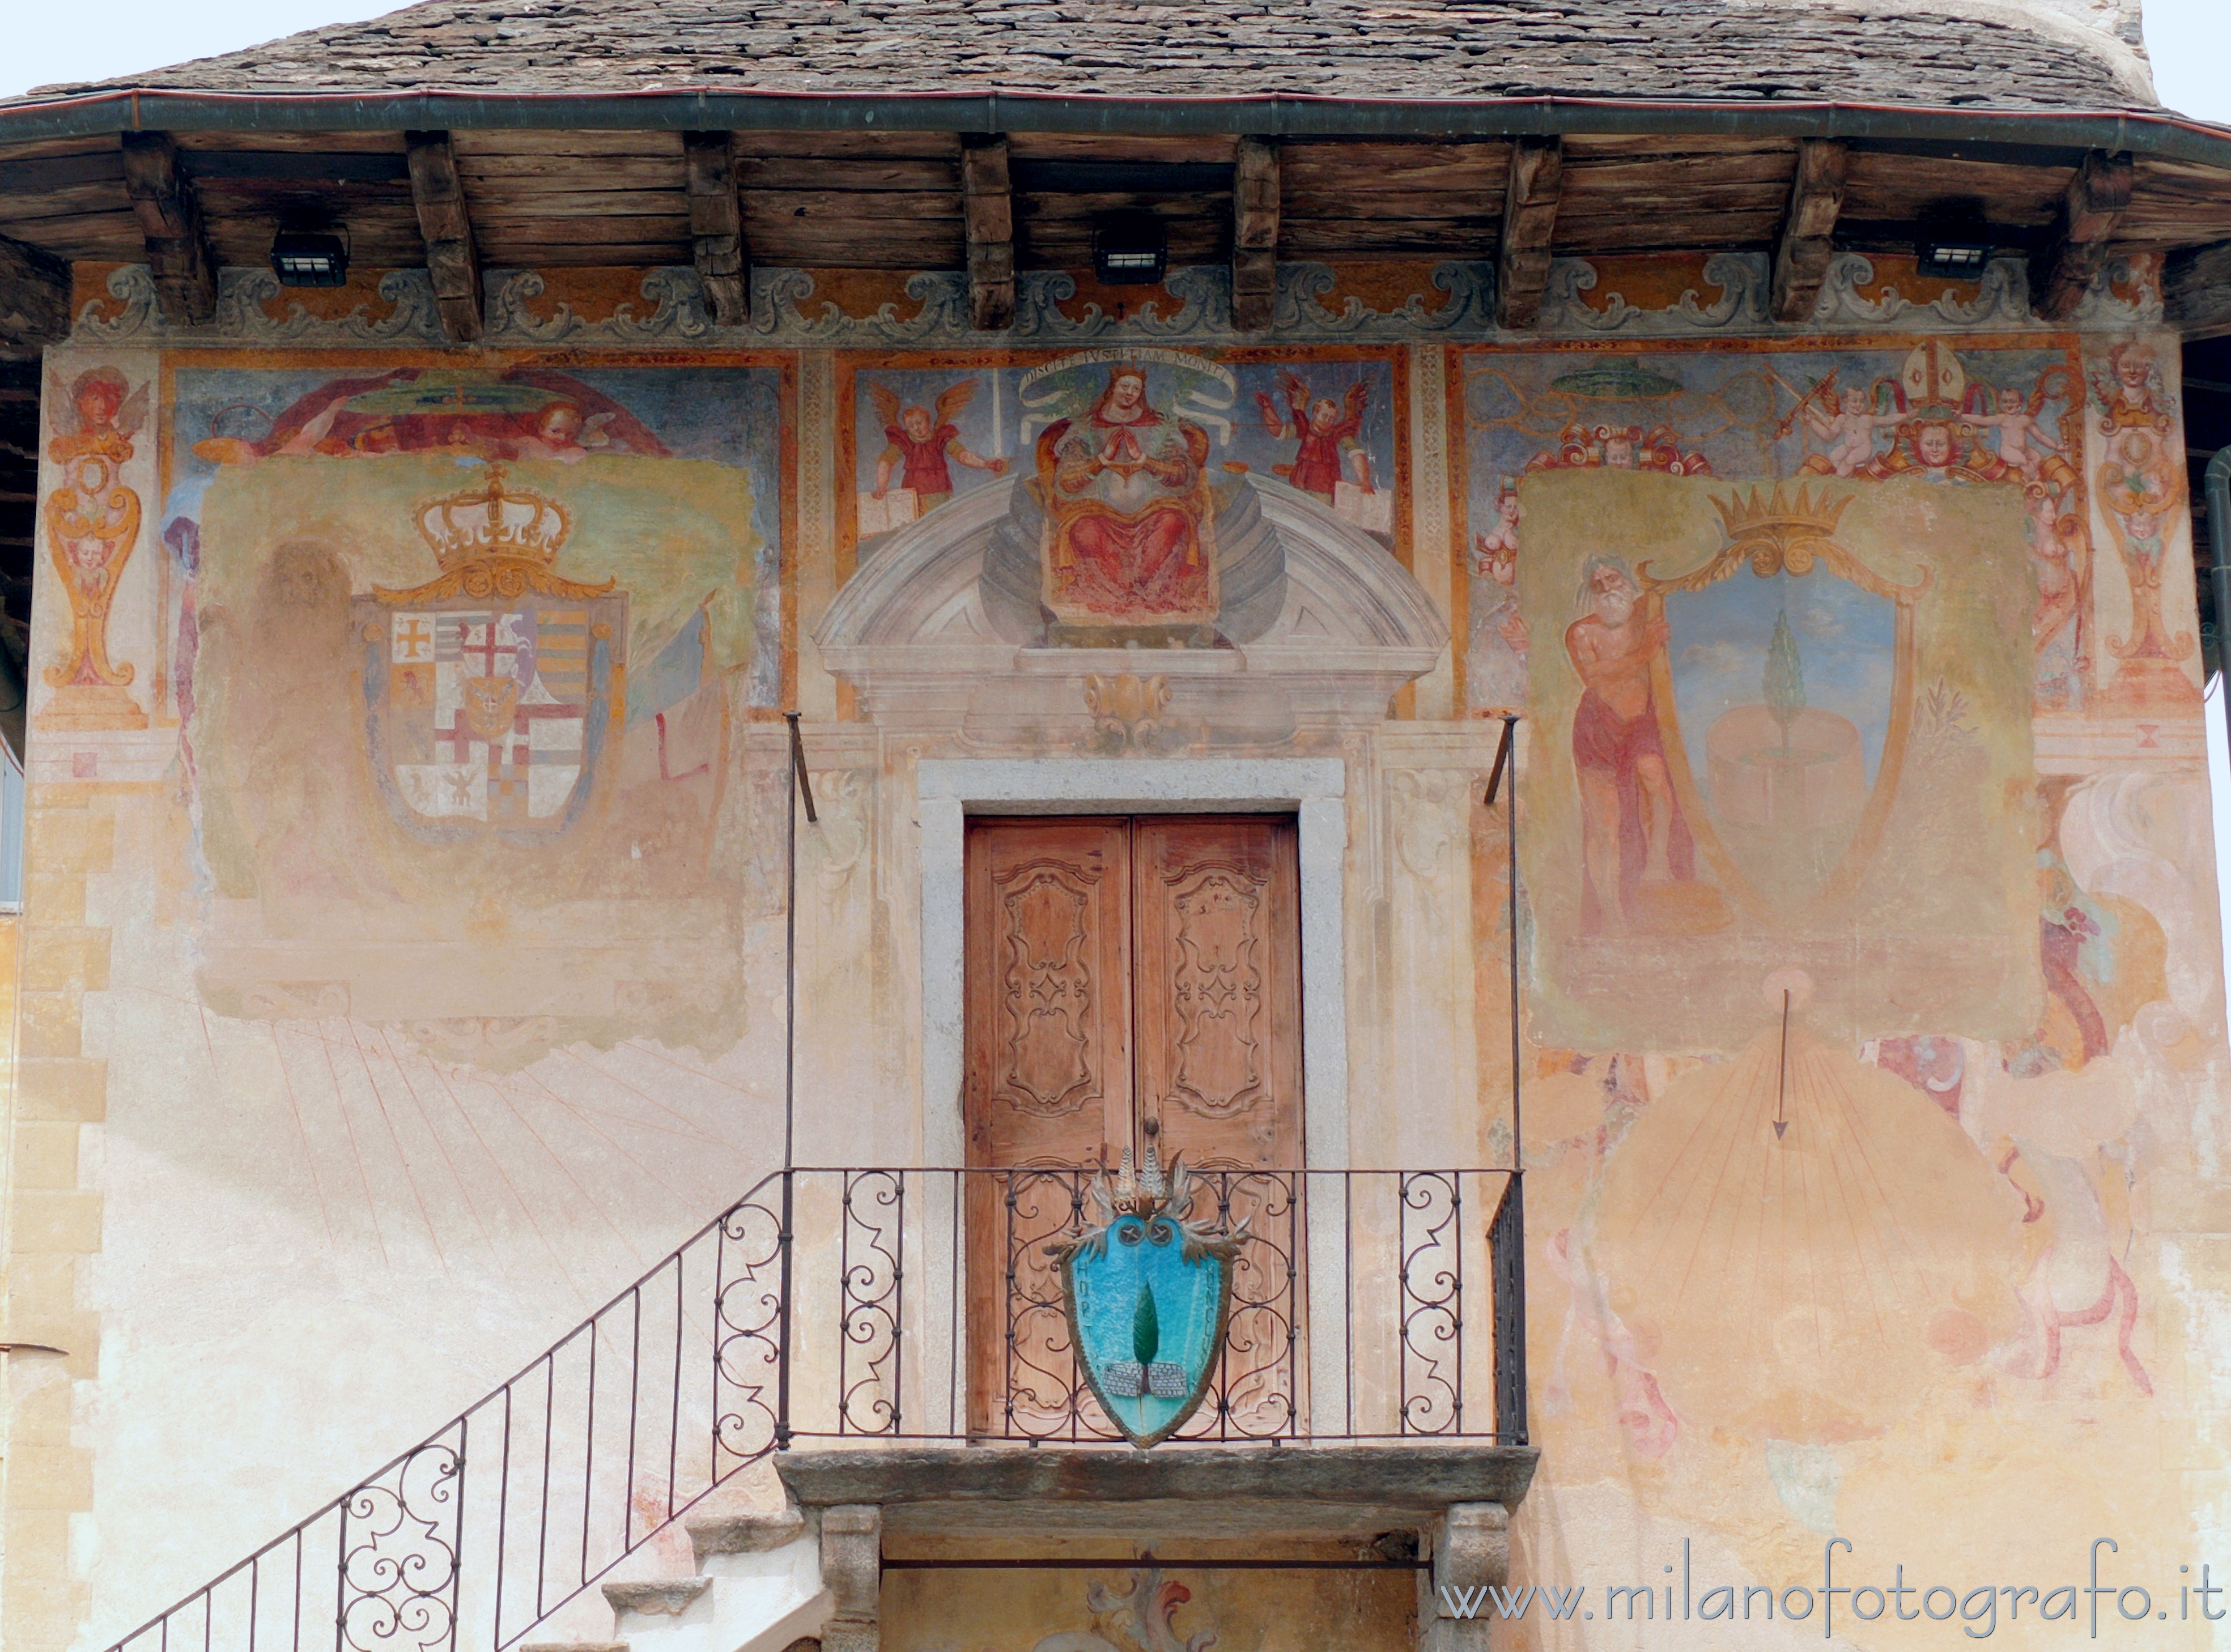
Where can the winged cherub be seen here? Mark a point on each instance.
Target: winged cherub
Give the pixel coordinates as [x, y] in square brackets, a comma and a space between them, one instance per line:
[1848, 433]
[98, 407]
[923, 445]
[1330, 435]
[2024, 444]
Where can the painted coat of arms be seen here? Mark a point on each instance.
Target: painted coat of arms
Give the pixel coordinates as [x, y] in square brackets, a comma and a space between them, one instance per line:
[1149, 1290]
[1784, 701]
[489, 691]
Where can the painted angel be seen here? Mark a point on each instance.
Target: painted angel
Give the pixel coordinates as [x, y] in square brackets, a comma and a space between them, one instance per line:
[562, 431]
[1848, 433]
[1495, 662]
[2024, 446]
[923, 444]
[99, 404]
[1330, 435]
[2060, 555]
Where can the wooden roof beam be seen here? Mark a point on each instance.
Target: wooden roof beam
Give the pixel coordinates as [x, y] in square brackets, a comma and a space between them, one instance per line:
[2196, 291]
[987, 212]
[2098, 196]
[1255, 200]
[1807, 239]
[716, 226]
[34, 298]
[1530, 224]
[444, 224]
[170, 216]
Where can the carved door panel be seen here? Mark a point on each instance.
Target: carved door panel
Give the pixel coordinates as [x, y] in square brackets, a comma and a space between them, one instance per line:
[1216, 921]
[1124, 977]
[1048, 924]
[1047, 919]
[1216, 911]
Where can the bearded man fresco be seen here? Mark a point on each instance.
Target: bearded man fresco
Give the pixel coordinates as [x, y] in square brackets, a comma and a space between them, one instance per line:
[1632, 833]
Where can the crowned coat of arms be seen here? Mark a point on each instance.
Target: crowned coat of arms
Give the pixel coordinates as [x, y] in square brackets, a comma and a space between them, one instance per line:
[490, 689]
[1149, 1290]
[1784, 692]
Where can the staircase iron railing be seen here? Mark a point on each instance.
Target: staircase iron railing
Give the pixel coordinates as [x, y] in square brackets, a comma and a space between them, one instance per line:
[836, 1305]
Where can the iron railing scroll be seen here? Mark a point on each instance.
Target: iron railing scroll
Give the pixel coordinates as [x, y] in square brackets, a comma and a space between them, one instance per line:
[830, 1305]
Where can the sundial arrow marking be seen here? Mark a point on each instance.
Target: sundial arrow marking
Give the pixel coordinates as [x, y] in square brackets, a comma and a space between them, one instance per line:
[1782, 1082]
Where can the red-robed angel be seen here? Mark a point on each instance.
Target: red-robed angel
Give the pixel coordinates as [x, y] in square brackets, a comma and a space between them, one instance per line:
[1330, 434]
[924, 445]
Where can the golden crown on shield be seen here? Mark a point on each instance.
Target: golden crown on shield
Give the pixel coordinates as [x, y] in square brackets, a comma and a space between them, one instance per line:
[1780, 513]
[493, 541]
[1783, 530]
[492, 523]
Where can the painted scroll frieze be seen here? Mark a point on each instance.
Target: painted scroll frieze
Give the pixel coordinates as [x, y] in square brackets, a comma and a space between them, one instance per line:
[1381, 301]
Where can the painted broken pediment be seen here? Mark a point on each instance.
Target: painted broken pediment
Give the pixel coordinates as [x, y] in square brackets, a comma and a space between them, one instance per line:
[1293, 618]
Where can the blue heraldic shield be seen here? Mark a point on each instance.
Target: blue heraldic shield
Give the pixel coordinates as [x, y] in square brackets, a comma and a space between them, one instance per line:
[1148, 1292]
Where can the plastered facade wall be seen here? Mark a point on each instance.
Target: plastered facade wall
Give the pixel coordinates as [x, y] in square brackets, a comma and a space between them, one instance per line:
[402, 952]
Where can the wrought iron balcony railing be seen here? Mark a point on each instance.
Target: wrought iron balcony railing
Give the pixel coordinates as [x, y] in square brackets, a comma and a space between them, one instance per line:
[855, 1305]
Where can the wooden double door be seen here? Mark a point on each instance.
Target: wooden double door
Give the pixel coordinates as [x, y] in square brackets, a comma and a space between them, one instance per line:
[1130, 979]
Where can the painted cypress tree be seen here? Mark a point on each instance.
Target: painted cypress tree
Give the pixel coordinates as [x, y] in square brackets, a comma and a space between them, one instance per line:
[1146, 1329]
[1785, 678]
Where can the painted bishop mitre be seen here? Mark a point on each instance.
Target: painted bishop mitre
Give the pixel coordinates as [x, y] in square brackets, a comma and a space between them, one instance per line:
[1807, 1283]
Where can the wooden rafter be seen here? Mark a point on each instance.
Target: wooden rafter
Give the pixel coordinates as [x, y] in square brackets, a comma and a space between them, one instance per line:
[987, 210]
[34, 298]
[1530, 224]
[2196, 291]
[1809, 228]
[716, 226]
[2098, 196]
[1255, 199]
[170, 216]
[446, 225]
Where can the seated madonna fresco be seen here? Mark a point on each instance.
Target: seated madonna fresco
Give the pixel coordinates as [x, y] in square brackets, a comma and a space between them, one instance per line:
[1129, 536]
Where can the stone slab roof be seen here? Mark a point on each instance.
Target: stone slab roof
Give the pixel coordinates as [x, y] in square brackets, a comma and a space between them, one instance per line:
[1954, 54]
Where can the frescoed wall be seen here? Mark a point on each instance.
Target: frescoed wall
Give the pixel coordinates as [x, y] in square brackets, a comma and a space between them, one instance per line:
[1323, 421]
[474, 641]
[403, 950]
[1149, 1609]
[1132, 473]
[1848, 670]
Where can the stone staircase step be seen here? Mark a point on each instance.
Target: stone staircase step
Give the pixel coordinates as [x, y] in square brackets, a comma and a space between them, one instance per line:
[754, 1531]
[670, 1595]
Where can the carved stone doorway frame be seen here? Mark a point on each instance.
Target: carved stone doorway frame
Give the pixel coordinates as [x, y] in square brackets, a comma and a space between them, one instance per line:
[1316, 789]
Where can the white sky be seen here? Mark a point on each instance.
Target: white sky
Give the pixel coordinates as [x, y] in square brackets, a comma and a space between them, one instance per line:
[2189, 40]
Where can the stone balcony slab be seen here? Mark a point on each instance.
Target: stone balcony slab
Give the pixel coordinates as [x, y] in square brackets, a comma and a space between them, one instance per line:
[1301, 1490]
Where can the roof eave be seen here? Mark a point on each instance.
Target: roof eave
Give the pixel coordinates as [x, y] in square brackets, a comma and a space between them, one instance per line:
[1285, 114]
